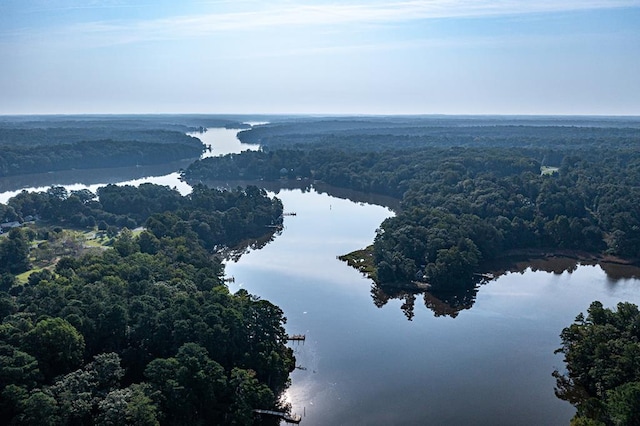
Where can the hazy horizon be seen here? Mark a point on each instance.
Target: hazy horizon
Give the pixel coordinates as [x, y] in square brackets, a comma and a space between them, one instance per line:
[322, 58]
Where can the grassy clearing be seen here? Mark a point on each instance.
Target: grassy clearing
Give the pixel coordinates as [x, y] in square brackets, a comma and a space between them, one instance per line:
[362, 260]
[44, 254]
[548, 170]
[96, 239]
[23, 278]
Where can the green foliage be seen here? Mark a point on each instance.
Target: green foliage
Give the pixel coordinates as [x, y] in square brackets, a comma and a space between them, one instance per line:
[57, 346]
[210, 217]
[191, 385]
[146, 332]
[40, 408]
[602, 358]
[125, 244]
[128, 407]
[14, 252]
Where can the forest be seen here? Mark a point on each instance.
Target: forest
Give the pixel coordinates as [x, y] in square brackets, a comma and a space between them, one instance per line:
[603, 366]
[412, 132]
[38, 144]
[144, 332]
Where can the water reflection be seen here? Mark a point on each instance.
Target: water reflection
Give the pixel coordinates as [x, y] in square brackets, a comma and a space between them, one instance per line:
[307, 186]
[234, 254]
[442, 303]
[559, 265]
[451, 303]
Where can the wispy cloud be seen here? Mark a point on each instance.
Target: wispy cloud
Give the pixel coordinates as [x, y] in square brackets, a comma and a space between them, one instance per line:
[484, 42]
[290, 15]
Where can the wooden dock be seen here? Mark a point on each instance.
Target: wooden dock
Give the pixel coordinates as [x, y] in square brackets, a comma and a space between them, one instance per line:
[289, 418]
[297, 337]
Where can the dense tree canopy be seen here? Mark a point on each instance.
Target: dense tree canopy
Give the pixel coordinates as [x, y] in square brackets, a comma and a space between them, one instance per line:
[215, 217]
[464, 206]
[38, 144]
[145, 332]
[602, 359]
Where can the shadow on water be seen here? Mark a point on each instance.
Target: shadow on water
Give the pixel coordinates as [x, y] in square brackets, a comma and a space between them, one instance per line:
[450, 303]
[443, 303]
[234, 254]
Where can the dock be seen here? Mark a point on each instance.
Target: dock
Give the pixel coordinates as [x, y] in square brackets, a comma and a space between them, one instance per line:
[297, 337]
[289, 418]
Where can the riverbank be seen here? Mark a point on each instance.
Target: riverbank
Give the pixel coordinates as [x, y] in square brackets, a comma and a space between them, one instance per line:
[517, 260]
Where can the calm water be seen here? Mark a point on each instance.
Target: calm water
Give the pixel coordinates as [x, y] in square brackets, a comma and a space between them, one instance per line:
[364, 365]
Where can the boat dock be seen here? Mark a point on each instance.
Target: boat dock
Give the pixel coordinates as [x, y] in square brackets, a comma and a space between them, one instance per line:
[289, 418]
[297, 337]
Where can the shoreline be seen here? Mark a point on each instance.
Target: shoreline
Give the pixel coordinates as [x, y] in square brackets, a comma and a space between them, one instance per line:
[511, 261]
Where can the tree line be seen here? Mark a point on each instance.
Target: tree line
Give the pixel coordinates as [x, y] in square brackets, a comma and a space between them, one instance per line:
[602, 356]
[215, 217]
[38, 144]
[16, 160]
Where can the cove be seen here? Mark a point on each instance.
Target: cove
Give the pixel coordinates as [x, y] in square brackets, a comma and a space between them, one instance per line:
[368, 365]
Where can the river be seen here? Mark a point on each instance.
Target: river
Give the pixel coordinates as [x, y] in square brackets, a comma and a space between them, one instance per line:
[221, 141]
[363, 361]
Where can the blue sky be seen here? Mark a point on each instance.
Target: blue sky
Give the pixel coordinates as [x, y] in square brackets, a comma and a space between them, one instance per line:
[322, 57]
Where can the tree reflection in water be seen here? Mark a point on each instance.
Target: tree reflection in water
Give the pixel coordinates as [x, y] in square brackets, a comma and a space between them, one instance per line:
[442, 303]
[451, 302]
[234, 254]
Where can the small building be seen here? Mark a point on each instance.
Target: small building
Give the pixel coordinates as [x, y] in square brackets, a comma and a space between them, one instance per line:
[9, 225]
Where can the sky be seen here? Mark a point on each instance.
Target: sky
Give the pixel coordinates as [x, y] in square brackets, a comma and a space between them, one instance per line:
[568, 57]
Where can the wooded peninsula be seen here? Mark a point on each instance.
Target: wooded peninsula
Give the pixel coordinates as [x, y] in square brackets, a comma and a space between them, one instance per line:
[142, 330]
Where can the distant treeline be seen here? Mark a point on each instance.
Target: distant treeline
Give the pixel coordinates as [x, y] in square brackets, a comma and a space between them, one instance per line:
[32, 137]
[383, 134]
[464, 205]
[113, 123]
[36, 144]
[95, 154]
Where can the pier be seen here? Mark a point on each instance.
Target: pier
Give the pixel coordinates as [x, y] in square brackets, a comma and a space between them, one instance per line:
[295, 418]
[297, 337]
